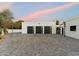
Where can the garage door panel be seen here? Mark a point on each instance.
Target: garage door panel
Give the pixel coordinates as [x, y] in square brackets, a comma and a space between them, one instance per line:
[39, 30]
[30, 29]
[47, 30]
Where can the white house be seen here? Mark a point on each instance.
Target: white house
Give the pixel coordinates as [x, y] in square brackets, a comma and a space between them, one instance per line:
[72, 28]
[40, 28]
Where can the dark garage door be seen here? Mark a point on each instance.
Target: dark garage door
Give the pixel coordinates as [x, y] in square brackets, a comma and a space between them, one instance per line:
[39, 30]
[30, 30]
[47, 30]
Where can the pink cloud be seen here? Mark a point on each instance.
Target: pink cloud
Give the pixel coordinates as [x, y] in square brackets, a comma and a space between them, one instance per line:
[47, 11]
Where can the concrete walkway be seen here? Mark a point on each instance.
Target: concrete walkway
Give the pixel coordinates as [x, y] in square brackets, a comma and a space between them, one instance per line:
[38, 45]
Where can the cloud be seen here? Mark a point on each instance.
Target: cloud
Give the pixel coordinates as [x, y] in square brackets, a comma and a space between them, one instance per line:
[48, 11]
[5, 5]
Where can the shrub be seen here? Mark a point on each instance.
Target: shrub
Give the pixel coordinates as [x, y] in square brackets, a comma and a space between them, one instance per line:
[0, 31]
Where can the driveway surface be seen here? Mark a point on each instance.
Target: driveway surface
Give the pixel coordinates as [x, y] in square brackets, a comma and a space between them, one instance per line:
[38, 45]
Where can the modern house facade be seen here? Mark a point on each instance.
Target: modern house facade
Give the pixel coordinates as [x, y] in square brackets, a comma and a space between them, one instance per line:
[41, 28]
[72, 28]
[38, 27]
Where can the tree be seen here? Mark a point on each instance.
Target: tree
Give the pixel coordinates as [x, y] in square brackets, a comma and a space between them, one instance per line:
[5, 18]
[17, 24]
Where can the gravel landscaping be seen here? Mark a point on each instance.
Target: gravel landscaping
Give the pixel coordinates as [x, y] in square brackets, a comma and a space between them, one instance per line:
[18, 44]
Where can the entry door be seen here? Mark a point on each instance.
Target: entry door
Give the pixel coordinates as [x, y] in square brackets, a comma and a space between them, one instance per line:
[47, 30]
[57, 30]
[30, 29]
[39, 29]
[62, 31]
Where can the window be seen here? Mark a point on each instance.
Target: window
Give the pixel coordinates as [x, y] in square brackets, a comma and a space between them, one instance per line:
[73, 28]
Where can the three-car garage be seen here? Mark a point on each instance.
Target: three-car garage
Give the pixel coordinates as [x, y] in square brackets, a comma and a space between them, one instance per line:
[38, 27]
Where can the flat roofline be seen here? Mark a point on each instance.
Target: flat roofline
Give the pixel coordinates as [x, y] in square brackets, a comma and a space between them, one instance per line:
[45, 21]
[38, 22]
[72, 19]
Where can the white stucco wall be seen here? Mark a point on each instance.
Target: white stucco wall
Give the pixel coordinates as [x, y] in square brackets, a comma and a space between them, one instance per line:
[25, 24]
[14, 30]
[73, 34]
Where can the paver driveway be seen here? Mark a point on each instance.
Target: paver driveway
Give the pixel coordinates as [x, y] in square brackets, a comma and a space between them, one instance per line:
[38, 45]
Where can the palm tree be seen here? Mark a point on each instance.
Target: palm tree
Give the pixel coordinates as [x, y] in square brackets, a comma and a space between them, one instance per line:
[5, 17]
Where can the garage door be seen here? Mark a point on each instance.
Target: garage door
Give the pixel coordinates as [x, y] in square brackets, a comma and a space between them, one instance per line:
[39, 29]
[30, 29]
[47, 30]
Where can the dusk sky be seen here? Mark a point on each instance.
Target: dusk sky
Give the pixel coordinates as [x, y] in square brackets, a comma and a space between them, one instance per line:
[25, 9]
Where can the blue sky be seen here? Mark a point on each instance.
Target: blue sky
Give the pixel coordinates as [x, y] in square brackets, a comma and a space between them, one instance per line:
[20, 9]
